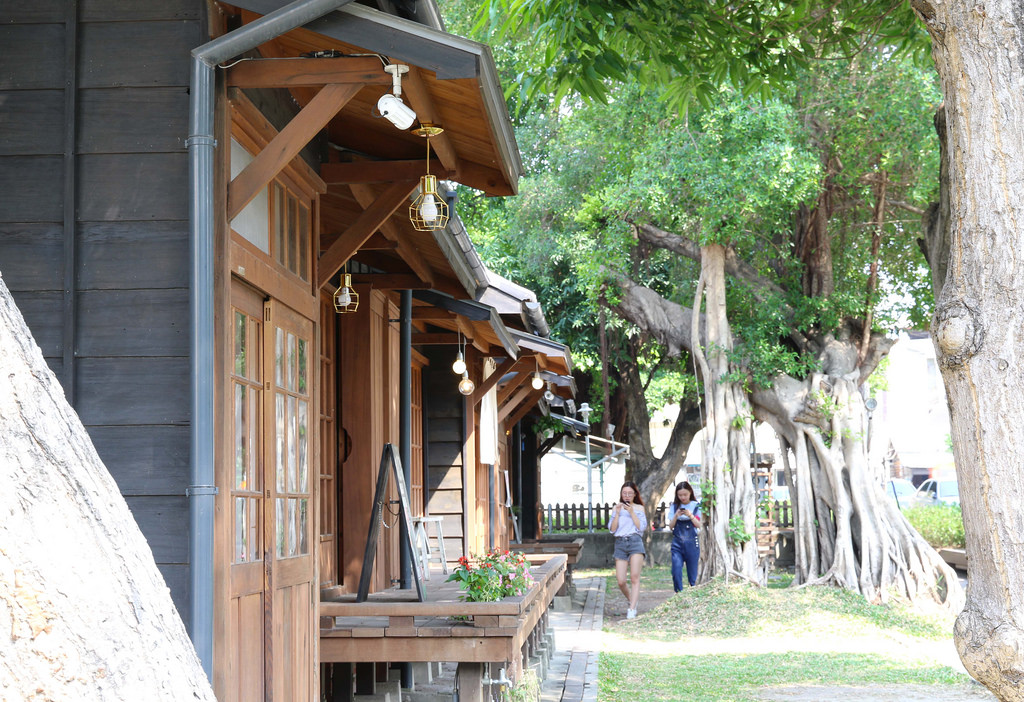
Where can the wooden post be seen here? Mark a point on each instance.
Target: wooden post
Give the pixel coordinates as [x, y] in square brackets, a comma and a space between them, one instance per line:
[469, 678]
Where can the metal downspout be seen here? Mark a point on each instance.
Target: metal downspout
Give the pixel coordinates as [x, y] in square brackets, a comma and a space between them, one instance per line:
[405, 446]
[201, 145]
[405, 423]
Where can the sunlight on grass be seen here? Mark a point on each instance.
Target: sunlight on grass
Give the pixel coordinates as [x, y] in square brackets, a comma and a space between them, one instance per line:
[738, 676]
[715, 609]
[735, 639]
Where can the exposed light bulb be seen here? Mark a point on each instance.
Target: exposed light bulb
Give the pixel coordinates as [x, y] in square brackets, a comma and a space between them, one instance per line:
[344, 297]
[459, 365]
[428, 210]
[466, 386]
[537, 381]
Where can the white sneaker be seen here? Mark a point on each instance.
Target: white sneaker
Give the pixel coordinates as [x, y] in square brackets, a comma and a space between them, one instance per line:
[630, 614]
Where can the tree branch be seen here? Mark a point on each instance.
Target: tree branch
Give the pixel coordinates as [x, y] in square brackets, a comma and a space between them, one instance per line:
[666, 321]
[734, 266]
[764, 290]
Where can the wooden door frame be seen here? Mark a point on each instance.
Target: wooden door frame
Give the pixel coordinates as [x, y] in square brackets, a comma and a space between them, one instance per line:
[239, 259]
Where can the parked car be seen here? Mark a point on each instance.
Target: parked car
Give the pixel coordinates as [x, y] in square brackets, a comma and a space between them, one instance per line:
[900, 490]
[937, 492]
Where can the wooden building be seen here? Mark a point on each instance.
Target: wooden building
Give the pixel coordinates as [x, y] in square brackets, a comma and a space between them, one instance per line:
[185, 185]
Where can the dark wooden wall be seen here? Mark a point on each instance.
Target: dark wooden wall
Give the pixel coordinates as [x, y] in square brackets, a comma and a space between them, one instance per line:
[443, 410]
[94, 231]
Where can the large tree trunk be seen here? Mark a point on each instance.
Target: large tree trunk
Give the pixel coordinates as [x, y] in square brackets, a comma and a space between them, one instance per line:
[654, 475]
[979, 51]
[846, 530]
[848, 533]
[728, 544]
[86, 611]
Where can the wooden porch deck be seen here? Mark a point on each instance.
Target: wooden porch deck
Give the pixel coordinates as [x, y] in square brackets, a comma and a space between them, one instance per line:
[391, 626]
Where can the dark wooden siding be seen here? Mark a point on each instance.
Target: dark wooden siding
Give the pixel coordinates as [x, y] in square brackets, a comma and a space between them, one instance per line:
[103, 280]
[443, 407]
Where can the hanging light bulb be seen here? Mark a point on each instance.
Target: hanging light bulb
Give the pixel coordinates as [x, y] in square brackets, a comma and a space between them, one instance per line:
[537, 381]
[346, 299]
[459, 365]
[466, 386]
[429, 211]
[428, 208]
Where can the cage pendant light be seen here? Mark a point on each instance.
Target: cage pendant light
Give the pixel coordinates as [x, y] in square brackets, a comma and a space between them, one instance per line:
[346, 299]
[429, 211]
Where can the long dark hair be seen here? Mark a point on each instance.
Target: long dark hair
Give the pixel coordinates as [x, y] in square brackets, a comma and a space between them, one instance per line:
[675, 496]
[636, 492]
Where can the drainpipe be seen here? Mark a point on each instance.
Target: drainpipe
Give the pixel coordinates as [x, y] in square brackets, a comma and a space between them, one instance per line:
[405, 448]
[201, 153]
[405, 425]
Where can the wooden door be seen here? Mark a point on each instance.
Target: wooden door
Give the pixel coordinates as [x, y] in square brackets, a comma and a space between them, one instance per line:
[272, 613]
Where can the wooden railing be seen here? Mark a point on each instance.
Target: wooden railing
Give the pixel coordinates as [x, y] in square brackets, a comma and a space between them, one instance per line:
[573, 517]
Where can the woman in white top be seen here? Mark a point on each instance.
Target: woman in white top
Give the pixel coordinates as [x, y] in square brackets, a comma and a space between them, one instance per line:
[629, 522]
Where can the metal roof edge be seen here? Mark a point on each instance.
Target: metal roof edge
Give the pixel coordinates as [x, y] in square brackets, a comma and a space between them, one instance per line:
[343, 24]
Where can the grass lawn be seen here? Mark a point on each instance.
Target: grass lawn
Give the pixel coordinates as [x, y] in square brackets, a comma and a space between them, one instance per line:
[718, 642]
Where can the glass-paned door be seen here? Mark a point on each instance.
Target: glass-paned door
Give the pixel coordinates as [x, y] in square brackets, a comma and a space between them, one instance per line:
[272, 611]
[291, 353]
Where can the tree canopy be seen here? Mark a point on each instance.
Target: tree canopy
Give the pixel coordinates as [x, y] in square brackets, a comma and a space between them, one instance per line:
[691, 47]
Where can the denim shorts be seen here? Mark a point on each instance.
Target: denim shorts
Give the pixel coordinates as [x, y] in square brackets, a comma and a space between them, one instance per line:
[626, 546]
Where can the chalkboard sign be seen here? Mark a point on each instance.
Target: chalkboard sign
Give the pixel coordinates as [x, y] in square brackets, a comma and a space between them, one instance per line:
[389, 458]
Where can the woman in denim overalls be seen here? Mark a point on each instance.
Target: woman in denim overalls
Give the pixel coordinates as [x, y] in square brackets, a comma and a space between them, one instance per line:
[684, 521]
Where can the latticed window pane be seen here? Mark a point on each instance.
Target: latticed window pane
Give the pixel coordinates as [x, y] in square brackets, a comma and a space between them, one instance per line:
[241, 434]
[303, 432]
[303, 526]
[241, 329]
[282, 434]
[281, 545]
[303, 367]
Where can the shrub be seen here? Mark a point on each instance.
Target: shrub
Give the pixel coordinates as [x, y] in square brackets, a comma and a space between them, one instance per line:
[942, 526]
[492, 576]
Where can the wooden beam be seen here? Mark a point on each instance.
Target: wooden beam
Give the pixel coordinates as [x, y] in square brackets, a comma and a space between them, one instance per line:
[380, 171]
[362, 229]
[484, 178]
[513, 385]
[378, 242]
[434, 339]
[431, 313]
[419, 98]
[293, 72]
[388, 281]
[287, 145]
[523, 393]
[412, 258]
[509, 366]
[525, 407]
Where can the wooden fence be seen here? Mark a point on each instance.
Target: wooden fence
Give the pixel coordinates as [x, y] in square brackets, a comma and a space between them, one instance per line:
[573, 517]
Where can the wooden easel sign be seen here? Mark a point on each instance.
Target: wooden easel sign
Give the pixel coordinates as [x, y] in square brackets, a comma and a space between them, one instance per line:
[389, 457]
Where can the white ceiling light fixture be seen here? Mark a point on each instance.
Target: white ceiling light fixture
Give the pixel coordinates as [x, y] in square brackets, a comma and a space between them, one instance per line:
[390, 105]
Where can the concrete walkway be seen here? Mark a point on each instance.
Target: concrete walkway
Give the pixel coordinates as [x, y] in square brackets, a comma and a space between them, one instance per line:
[572, 672]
